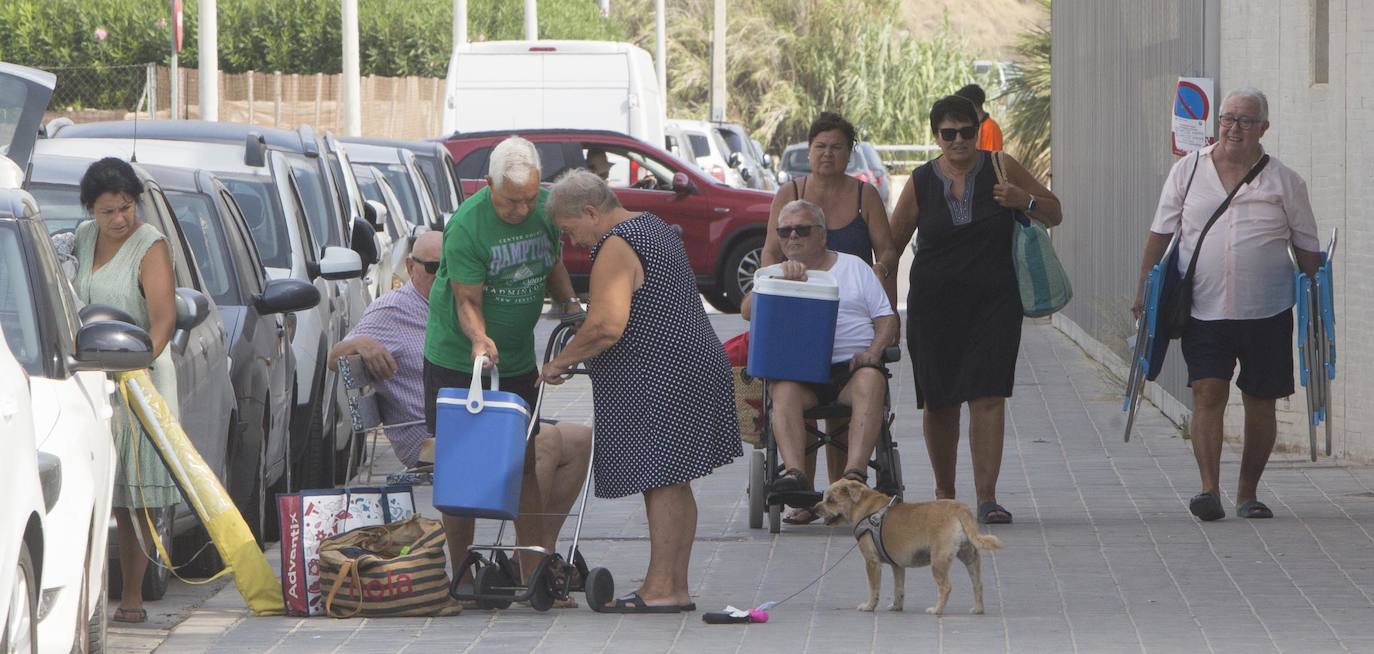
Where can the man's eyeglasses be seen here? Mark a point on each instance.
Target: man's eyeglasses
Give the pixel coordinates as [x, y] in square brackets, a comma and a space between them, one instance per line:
[431, 267]
[1232, 120]
[802, 231]
[969, 133]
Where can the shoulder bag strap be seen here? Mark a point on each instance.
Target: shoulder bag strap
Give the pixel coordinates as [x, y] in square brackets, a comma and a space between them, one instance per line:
[859, 202]
[1249, 177]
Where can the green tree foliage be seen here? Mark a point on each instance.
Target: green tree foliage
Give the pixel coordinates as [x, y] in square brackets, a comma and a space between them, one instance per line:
[1028, 100]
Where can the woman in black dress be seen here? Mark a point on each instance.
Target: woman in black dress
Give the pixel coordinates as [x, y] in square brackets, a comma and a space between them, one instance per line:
[661, 384]
[963, 308]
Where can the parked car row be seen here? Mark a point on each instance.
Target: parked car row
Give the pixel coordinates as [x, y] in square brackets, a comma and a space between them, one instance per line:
[272, 235]
[865, 164]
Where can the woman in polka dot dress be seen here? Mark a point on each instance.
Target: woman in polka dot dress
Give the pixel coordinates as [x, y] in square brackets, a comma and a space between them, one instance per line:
[661, 385]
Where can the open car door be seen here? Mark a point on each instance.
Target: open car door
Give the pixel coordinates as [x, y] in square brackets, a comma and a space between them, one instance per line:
[24, 95]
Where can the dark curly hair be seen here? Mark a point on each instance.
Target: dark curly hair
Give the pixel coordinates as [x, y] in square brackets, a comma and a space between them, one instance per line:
[974, 93]
[829, 120]
[109, 175]
[952, 107]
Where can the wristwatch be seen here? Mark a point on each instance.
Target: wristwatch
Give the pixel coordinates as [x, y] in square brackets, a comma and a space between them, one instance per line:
[1030, 206]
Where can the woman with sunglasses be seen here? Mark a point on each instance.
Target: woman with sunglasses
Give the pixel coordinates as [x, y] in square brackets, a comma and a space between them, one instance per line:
[856, 223]
[963, 308]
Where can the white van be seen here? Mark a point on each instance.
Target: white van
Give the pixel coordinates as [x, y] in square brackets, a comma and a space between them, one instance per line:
[503, 85]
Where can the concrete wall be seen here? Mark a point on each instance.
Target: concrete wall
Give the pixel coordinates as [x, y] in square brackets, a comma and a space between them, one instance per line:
[1115, 65]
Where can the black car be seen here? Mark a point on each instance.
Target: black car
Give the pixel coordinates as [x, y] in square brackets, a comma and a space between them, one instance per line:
[256, 312]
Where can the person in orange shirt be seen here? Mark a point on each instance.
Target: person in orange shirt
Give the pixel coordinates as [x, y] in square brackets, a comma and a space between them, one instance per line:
[989, 132]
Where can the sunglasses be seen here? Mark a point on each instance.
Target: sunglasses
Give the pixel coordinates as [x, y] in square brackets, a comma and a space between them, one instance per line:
[431, 267]
[969, 133]
[802, 231]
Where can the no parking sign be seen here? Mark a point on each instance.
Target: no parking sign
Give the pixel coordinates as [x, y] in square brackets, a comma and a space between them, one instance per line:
[1192, 115]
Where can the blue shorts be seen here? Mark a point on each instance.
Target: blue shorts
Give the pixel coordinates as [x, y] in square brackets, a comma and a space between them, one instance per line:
[1263, 346]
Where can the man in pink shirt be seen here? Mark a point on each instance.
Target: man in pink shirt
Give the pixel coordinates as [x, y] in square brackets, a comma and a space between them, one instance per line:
[1242, 289]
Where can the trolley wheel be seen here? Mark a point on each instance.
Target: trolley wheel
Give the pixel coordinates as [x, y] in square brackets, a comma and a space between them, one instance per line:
[775, 518]
[758, 495]
[541, 591]
[489, 578]
[600, 588]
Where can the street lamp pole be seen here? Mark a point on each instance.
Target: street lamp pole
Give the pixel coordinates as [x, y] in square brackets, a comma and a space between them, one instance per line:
[460, 22]
[718, 63]
[352, 103]
[208, 40]
[531, 20]
[661, 50]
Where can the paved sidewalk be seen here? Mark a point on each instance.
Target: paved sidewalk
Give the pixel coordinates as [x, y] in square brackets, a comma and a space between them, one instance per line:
[1103, 557]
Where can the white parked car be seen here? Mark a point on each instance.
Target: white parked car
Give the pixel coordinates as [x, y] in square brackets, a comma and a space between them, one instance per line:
[711, 151]
[22, 513]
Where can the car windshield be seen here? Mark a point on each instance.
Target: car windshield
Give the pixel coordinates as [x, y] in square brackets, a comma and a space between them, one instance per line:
[256, 199]
[204, 233]
[18, 315]
[319, 207]
[733, 139]
[404, 189]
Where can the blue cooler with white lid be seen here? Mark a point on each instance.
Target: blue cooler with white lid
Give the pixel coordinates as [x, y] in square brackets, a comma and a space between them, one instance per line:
[479, 449]
[792, 326]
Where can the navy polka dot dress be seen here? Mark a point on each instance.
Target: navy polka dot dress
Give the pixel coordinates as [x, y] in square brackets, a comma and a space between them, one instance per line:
[663, 394]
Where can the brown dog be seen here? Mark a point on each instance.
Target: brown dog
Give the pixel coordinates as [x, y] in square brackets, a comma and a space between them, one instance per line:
[914, 535]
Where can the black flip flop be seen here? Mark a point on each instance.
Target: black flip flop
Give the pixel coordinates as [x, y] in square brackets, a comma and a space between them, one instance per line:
[988, 513]
[1207, 507]
[1254, 510]
[688, 607]
[633, 603]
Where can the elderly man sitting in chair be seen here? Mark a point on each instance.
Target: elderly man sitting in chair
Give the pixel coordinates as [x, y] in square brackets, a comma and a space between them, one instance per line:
[865, 326]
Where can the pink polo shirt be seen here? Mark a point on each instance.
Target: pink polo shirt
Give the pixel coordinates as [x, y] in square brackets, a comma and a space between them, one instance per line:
[1244, 271]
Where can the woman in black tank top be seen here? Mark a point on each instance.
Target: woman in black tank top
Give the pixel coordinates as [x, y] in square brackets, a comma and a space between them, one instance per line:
[963, 309]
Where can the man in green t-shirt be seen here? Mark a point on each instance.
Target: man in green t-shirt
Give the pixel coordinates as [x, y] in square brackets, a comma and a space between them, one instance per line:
[500, 255]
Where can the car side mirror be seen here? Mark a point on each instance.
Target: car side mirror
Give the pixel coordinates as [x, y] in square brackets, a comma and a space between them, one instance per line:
[192, 308]
[682, 184]
[340, 263]
[286, 296]
[746, 175]
[112, 346]
[364, 242]
[735, 160]
[94, 312]
[768, 161]
[375, 212]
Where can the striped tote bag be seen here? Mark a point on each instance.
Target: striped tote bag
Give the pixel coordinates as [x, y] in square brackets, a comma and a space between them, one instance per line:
[392, 570]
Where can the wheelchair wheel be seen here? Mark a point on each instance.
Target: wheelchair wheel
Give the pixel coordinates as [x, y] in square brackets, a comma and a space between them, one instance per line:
[541, 591]
[600, 588]
[891, 478]
[758, 494]
[774, 519]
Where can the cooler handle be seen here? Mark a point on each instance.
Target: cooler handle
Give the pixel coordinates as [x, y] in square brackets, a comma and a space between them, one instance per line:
[811, 275]
[475, 400]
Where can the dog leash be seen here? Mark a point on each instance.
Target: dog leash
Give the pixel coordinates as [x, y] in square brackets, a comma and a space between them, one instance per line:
[732, 615]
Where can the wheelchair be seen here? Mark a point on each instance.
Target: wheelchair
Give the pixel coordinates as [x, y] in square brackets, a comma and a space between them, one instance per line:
[765, 462]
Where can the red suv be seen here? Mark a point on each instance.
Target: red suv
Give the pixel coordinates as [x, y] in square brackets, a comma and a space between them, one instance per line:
[722, 227]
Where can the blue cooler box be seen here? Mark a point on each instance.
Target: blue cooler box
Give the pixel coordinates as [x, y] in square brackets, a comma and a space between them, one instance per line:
[792, 327]
[479, 452]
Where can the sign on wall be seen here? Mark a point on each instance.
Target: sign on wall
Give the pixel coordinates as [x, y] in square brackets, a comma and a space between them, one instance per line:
[1193, 120]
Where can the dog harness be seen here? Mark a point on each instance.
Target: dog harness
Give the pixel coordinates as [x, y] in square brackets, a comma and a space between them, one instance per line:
[873, 526]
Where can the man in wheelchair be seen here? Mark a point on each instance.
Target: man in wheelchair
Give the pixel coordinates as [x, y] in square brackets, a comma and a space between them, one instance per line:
[865, 326]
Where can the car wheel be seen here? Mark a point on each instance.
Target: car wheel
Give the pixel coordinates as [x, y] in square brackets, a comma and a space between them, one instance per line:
[155, 578]
[315, 465]
[246, 472]
[21, 616]
[92, 627]
[737, 275]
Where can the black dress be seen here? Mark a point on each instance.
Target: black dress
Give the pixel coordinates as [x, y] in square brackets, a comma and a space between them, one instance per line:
[663, 394]
[964, 309]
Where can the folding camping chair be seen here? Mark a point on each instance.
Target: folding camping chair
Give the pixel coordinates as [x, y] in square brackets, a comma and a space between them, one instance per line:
[365, 416]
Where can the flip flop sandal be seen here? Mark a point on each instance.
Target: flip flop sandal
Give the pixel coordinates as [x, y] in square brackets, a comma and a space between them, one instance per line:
[130, 616]
[799, 517]
[1207, 507]
[633, 603]
[992, 513]
[1254, 510]
[791, 481]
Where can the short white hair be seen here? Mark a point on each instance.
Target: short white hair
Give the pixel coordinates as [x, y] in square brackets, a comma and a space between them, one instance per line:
[513, 160]
[579, 188]
[810, 209]
[1253, 94]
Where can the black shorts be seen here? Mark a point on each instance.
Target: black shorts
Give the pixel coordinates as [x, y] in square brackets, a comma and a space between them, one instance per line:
[1264, 347]
[437, 377]
[828, 393]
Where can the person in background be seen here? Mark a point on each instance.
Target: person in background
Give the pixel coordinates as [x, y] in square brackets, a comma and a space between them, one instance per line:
[964, 307]
[661, 384]
[1242, 290]
[989, 132]
[856, 224]
[124, 262]
[598, 163]
[500, 254]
